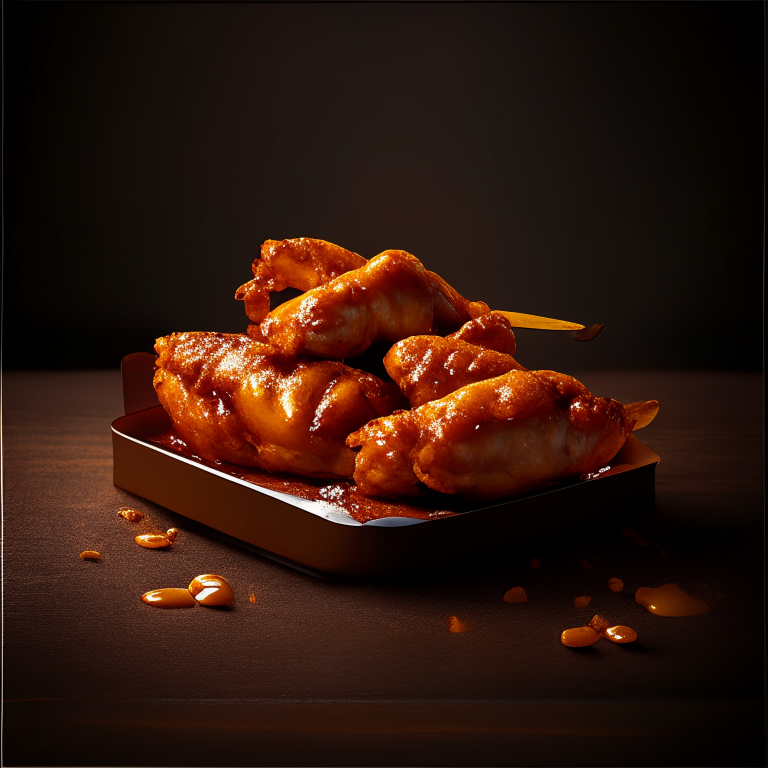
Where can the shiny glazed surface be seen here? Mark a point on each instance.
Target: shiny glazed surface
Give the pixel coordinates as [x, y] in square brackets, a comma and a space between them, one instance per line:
[390, 298]
[496, 438]
[231, 400]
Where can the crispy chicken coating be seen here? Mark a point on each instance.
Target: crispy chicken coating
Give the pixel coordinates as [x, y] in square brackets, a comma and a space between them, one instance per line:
[427, 368]
[232, 400]
[496, 438]
[492, 331]
[301, 262]
[390, 298]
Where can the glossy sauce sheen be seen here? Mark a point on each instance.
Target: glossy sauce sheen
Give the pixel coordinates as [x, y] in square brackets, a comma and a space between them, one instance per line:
[341, 495]
[670, 600]
[153, 540]
[169, 598]
[211, 590]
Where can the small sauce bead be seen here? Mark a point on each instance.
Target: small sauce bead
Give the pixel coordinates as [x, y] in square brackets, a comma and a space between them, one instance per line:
[211, 590]
[582, 601]
[615, 585]
[579, 637]
[153, 540]
[515, 595]
[133, 515]
[621, 634]
[169, 598]
[90, 554]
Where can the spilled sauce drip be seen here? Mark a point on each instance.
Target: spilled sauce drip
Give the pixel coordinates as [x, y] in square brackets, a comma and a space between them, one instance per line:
[670, 600]
[169, 598]
[132, 515]
[90, 554]
[579, 637]
[172, 534]
[211, 590]
[153, 540]
[456, 625]
[339, 496]
[252, 597]
[582, 601]
[615, 585]
[515, 595]
[621, 634]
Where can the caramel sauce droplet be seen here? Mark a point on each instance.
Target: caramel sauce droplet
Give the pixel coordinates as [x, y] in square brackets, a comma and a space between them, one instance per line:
[582, 601]
[670, 600]
[621, 634]
[133, 515]
[90, 554]
[515, 595]
[169, 598]
[153, 540]
[579, 637]
[615, 585]
[211, 590]
[456, 625]
[535, 563]
[172, 534]
[252, 597]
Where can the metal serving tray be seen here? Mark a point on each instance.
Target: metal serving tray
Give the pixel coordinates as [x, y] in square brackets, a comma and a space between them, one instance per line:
[321, 539]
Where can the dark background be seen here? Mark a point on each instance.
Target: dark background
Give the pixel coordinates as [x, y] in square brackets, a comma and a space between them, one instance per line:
[596, 162]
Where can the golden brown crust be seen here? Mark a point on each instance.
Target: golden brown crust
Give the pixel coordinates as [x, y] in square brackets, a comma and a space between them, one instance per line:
[232, 400]
[390, 298]
[492, 331]
[301, 262]
[496, 438]
[430, 367]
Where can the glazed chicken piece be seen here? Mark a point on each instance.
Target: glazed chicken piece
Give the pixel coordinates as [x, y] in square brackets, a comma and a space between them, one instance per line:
[492, 331]
[301, 262]
[231, 400]
[427, 368]
[496, 438]
[388, 299]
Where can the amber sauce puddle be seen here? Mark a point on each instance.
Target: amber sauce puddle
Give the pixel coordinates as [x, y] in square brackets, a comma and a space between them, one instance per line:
[670, 600]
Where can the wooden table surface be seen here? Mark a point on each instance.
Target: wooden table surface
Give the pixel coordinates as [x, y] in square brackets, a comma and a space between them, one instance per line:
[366, 673]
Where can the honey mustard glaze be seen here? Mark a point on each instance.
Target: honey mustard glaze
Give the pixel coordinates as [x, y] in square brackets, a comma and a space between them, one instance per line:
[670, 600]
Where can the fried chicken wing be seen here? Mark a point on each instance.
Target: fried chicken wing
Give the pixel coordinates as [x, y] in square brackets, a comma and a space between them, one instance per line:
[496, 438]
[232, 400]
[492, 331]
[390, 298]
[301, 262]
[427, 368]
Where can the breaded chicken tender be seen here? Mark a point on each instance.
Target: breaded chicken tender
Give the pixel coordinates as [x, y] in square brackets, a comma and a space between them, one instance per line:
[430, 367]
[231, 400]
[496, 438]
[388, 299]
[301, 262]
